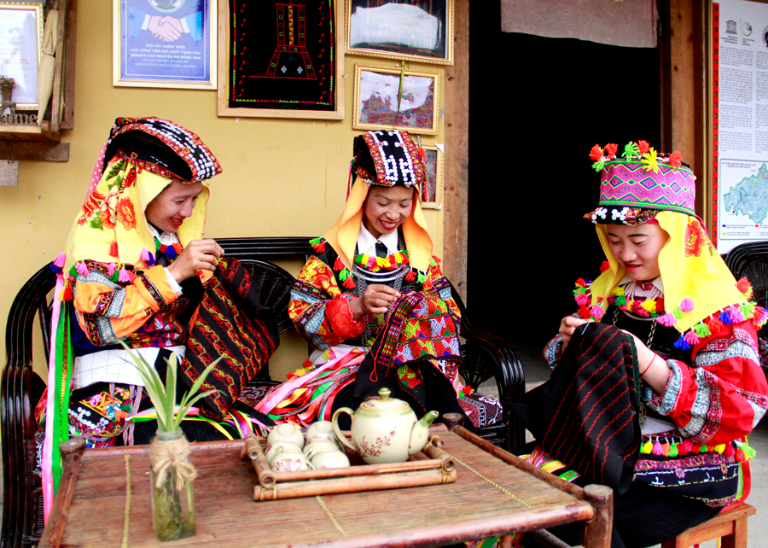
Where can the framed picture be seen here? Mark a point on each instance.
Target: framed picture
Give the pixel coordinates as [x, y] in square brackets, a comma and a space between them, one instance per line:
[164, 43]
[396, 99]
[418, 30]
[281, 59]
[431, 192]
[21, 39]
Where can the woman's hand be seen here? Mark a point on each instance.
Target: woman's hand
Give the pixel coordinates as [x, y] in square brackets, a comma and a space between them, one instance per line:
[568, 327]
[653, 368]
[375, 300]
[198, 255]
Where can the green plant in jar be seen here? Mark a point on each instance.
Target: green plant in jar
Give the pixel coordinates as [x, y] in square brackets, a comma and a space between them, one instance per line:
[171, 471]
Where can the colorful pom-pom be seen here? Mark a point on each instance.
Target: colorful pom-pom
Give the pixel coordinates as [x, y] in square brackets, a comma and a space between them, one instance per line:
[676, 159]
[630, 149]
[422, 277]
[744, 287]
[338, 265]
[715, 325]
[596, 153]
[620, 301]
[113, 249]
[686, 305]
[736, 314]
[740, 456]
[124, 276]
[599, 165]
[605, 266]
[703, 449]
[610, 150]
[760, 317]
[701, 330]
[677, 312]
[584, 312]
[649, 306]
[583, 299]
[681, 344]
[691, 338]
[657, 449]
[749, 452]
[66, 293]
[720, 448]
[685, 448]
[673, 450]
[82, 269]
[349, 283]
[646, 448]
[111, 267]
[597, 312]
[410, 276]
[643, 147]
[60, 259]
[748, 309]
[729, 450]
[581, 282]
[667, 320]
[725, 317]
[344, 274]
[665, 449]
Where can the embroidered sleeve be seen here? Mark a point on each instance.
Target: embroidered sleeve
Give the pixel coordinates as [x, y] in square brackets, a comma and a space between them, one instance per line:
[553, 351]
[318, 308]
[723, 395]
[109, 311]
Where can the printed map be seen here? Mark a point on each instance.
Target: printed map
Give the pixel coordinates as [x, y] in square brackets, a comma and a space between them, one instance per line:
[750, 196]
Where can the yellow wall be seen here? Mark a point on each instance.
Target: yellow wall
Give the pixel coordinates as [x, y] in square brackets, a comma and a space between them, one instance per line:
[280, 178]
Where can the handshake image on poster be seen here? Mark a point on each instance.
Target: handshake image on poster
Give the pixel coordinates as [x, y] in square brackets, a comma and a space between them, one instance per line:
[166, 27]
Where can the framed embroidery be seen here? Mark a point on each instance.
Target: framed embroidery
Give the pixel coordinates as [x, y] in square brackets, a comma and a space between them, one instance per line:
[431, 191]
[396, 99]
[281, 59]
[164, 43]
[414, 30]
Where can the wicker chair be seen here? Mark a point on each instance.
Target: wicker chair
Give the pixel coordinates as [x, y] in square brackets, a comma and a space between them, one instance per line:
[486, 356]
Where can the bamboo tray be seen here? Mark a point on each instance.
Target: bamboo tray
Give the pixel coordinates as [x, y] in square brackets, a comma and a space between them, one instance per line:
[428, 467]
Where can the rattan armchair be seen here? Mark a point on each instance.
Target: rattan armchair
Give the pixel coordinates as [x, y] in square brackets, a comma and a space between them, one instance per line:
[486, 356]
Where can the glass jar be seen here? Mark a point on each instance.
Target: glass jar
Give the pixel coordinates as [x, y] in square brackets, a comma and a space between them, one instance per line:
[173, 513]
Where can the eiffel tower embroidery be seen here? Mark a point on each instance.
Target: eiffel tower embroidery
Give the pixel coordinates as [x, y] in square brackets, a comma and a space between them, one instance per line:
[291, 59]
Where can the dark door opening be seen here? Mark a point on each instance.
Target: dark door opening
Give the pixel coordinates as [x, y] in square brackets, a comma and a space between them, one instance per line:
[537, 106]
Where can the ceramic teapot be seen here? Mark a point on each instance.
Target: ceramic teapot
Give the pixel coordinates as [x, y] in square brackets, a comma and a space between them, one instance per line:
[385, 429]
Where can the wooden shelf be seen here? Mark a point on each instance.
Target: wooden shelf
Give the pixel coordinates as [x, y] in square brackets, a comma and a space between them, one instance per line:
[27, 133]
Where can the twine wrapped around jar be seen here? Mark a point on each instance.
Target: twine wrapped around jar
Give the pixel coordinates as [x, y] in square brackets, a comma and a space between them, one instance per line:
[168, 455]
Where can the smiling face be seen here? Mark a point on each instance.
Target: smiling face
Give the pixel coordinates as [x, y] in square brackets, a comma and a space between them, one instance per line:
[637, 248]
[386, 208]
[174, 204]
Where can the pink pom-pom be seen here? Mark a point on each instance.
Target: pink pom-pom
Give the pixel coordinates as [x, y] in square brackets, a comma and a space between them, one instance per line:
[691, 338]
[144, 254]
[60, 259]
[667, 320]
[582, 299]
[657, 449]
[123, 277]
[82, 269]
[686, 305]
[597, 312]
[736, 314]
[684, 448]
[111, 267]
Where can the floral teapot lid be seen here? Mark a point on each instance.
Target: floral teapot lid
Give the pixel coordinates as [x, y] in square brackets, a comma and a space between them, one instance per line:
[385, 404]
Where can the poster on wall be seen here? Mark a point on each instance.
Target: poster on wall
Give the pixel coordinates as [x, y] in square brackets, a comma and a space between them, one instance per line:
[164, 43]
[281, 59]
[739, 169]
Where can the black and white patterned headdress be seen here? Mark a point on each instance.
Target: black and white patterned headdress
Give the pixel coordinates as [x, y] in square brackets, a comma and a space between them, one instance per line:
[388, 158]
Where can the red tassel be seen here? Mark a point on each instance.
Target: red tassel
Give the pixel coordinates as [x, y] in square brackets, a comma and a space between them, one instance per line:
[410, 276]
[714, 324]
[676, 159]
[740, 456]
[338, 265]
[605, 266]
[729, 451]
[743, 286]
[349, 283]
[66, 293]
[610, 150]
[113, 249]
[421, 153]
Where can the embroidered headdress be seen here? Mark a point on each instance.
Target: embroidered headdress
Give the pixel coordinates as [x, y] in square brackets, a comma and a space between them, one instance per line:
[140, 159]
[635, 186]
[383, 158]
[700, 293]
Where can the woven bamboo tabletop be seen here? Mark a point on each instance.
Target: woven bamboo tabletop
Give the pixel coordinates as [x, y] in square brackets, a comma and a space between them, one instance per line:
[110, 505]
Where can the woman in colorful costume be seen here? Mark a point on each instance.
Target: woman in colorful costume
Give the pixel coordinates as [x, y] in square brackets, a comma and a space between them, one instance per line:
[372, 300]
[688, 359]
[133, 273]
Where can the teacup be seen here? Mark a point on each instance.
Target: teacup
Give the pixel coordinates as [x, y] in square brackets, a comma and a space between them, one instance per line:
[289, 458]
[330, 458]
[321, 430]
[286, 432]
[273, 450]
[320, 446]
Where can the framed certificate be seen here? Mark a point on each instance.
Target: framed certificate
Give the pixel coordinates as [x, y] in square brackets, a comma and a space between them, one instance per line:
[21, 38]
[164, 43]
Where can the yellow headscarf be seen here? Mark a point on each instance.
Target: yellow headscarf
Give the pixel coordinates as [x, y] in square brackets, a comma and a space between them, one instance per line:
[693, 273]
[112, 226]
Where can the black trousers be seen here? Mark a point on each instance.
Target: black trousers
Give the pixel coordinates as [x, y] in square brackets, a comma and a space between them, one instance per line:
[643, 516]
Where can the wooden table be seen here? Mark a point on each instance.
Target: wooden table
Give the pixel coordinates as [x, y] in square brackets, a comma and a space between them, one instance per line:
[104, 501]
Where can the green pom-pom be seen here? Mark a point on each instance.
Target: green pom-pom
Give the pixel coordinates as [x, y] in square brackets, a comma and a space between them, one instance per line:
[422, 277]
[749, 452]
[677, 313]
[748, 309]
[703, 449]
[631, 149]
[432, 262]
[316, 241]
[621, 300]
[358, 259]
[343, 275]
[600, 164]
[702, 330]
[73, 272]
[673, 450]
